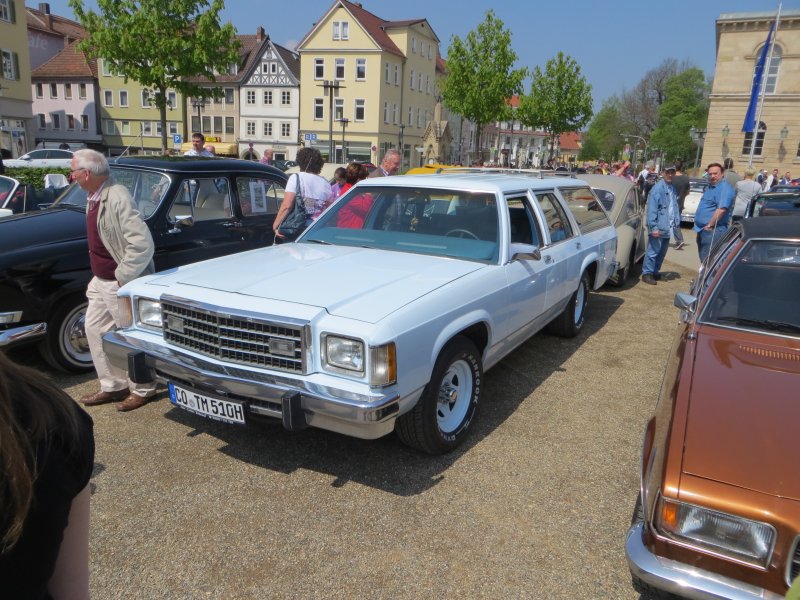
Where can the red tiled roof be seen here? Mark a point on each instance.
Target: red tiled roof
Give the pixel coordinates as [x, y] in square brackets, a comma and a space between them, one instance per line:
[38, 20]
[570, 141]
[248, 53]
[69, 63]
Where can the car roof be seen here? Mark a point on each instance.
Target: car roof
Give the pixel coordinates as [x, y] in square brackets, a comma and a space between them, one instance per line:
[479, 182]
[193, 164]
[785, 227]
[619, 186]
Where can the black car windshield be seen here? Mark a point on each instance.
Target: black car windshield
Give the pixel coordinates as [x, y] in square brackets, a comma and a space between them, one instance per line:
[776, 205]
[147, 188]
[449, 223]
[759, 290]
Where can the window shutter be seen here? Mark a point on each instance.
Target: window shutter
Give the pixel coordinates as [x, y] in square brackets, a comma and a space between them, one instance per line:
[11, 11]
[15, 59]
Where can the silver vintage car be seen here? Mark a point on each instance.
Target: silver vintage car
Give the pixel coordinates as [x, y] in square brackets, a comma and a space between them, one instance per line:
[383, 315]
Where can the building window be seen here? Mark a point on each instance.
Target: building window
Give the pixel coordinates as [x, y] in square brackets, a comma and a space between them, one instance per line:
[250, 99]
[230, 125]
[319, 68]
[71, 122]
[110, 127]
[748, 140]
[318, 109]
[286, 98]
[286, 130]
[386, 72]
[85, 122]
[54, 90]
[126, 128]
[106, 69]
[268, 129]
[395, 114]
[229, 96]
[55, 118]
[427, 84]
[10, 65]
[172, 100]
[172, 129]
[338, 109]
[361, 69]
[339, 68]
[413, 45]
[771, 74]
[68, 91]
[419, 83]
[360, 110]
[217, 124]
[145, 98]
[411, 79]
[82, 91]
[6, 10]
[397, 74]
[273, 68]
[147, 128]
[42, 121]
[265, 68]
[206, 124]
[250, 127]
[268, 97]
[172, 125]
[108, 98]
[385, 112]
[410, 116]
[341, 30]
[123, 98]
[39, 90]
[430, 52]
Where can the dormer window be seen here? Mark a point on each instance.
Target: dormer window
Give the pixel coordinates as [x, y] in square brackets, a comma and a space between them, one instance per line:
[341, 30]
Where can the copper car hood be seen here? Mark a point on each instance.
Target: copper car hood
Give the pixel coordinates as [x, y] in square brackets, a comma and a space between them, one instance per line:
[744, 411]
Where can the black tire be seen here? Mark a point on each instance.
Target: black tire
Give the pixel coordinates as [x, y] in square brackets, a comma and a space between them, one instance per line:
[65, 346]
[571, 320]
[621, 276]
[441, 419]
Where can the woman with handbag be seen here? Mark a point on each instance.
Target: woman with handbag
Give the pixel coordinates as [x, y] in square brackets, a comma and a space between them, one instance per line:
[307, 196]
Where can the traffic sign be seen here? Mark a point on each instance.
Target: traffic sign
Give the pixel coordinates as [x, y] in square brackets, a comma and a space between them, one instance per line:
[177, 139]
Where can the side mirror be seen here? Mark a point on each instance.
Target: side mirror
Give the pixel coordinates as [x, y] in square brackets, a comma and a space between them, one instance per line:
[525, 252]
[686, 302]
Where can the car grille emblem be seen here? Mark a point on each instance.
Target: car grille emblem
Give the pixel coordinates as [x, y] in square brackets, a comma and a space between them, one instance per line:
[175, 323]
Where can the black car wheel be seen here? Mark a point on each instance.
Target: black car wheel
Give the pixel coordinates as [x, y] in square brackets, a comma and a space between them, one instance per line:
[65, 347]
[442, 417]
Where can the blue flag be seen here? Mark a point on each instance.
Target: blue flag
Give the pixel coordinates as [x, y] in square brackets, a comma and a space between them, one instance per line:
[758, 77]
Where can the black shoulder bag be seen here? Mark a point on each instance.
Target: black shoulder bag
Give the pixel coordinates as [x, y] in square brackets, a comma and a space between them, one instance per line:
[295, 222]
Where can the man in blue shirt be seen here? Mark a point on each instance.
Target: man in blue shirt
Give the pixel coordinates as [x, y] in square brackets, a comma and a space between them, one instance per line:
[662, 214]
[714, 210]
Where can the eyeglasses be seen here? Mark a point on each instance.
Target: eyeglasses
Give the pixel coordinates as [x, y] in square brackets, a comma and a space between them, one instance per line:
[73, 171]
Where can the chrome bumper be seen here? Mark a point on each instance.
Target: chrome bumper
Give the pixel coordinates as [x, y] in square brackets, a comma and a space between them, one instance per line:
[297, 402]
[682, 579]
[26, 333]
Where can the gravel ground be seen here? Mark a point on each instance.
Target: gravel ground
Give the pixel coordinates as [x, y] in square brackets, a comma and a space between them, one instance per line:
[535, 505]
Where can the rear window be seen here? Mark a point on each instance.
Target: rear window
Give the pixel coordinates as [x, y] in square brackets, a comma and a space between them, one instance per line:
[586, 208]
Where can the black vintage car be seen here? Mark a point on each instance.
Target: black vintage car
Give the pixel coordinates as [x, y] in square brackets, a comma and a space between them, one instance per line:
[196, 209]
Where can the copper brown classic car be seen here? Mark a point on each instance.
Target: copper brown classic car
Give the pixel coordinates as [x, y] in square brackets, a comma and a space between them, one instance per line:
[718, 514]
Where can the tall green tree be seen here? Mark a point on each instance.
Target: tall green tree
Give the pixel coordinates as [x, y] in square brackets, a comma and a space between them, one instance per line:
[560, 99]
[685, 105]
[480, 75]
[161, 44]
[602, 139]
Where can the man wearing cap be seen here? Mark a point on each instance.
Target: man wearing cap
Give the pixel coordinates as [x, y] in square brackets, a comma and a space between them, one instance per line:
[714, 210]
[662, 213]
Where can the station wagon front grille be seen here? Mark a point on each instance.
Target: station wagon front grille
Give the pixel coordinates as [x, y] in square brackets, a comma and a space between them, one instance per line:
[233, 338]
[793, 572]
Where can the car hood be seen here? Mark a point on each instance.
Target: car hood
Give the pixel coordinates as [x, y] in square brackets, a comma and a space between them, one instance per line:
[356, 283]
[744, 411]
[40, 228]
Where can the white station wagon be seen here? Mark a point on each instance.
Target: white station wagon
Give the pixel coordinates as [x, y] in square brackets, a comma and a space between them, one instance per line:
[383, 315]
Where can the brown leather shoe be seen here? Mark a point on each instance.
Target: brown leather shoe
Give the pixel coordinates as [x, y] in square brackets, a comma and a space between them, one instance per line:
[102, 397]
[132, 402]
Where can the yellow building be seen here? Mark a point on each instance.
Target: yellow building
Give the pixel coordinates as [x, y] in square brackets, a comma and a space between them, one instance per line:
[367, 84]
[740, 39]
[128, 119]
[16, 115]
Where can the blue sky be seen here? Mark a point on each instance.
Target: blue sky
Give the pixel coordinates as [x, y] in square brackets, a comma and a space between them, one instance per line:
[615, 43]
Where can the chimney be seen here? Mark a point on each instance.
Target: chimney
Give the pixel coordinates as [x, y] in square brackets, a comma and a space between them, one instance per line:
[44, 8]
[260, 34]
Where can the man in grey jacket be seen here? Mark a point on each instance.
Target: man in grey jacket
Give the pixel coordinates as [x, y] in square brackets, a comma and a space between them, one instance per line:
[120, 250]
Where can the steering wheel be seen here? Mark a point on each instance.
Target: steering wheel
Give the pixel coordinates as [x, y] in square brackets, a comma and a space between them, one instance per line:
[462, 233]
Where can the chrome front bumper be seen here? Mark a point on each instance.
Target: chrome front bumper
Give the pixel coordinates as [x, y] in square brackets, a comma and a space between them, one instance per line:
[26, 333]
[297, 402]
[682, 579]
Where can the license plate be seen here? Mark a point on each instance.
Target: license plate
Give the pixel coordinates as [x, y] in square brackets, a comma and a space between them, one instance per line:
[218, 409]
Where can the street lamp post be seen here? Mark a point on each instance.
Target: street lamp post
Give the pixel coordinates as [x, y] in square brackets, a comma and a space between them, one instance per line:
[400, 144]
[698, 136]
[331, 89]
[199, 103]
[344, 121]
[625, 137]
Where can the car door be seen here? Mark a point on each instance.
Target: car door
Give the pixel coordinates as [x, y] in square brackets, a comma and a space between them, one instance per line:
[258, 199]
[559, 249]
[526, 279]
[199, 225]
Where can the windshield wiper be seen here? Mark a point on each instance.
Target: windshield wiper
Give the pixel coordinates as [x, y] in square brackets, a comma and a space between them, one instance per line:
[763, 323]
[315, 241]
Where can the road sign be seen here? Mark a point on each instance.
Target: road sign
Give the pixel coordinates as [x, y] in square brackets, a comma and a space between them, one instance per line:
[311, 137]
[177, 139]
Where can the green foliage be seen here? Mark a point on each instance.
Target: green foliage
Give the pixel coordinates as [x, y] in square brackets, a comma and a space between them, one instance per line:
[162, 45]
[602, 140]
[480, 78]
[685, 105]
[33, 175]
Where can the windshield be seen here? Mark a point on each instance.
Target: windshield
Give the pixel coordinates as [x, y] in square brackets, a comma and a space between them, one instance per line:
[759, 290]
[147, 188]
[776, 205]
[450, 223]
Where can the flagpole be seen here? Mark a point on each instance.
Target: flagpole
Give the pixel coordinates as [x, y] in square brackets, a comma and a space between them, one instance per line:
[767, 67]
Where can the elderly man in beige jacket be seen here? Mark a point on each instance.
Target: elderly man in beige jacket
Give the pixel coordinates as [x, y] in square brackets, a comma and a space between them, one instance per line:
[120, 250]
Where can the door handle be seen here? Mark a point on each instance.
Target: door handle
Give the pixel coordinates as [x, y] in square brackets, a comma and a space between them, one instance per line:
[578, 245]
[232, 224]
[548, 259]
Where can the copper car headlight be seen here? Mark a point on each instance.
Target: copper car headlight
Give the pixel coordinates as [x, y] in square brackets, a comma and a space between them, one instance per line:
[727, 535]
[148, 313]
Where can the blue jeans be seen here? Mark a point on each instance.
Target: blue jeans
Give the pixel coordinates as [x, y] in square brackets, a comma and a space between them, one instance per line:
[706, 238]
[656, 251]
